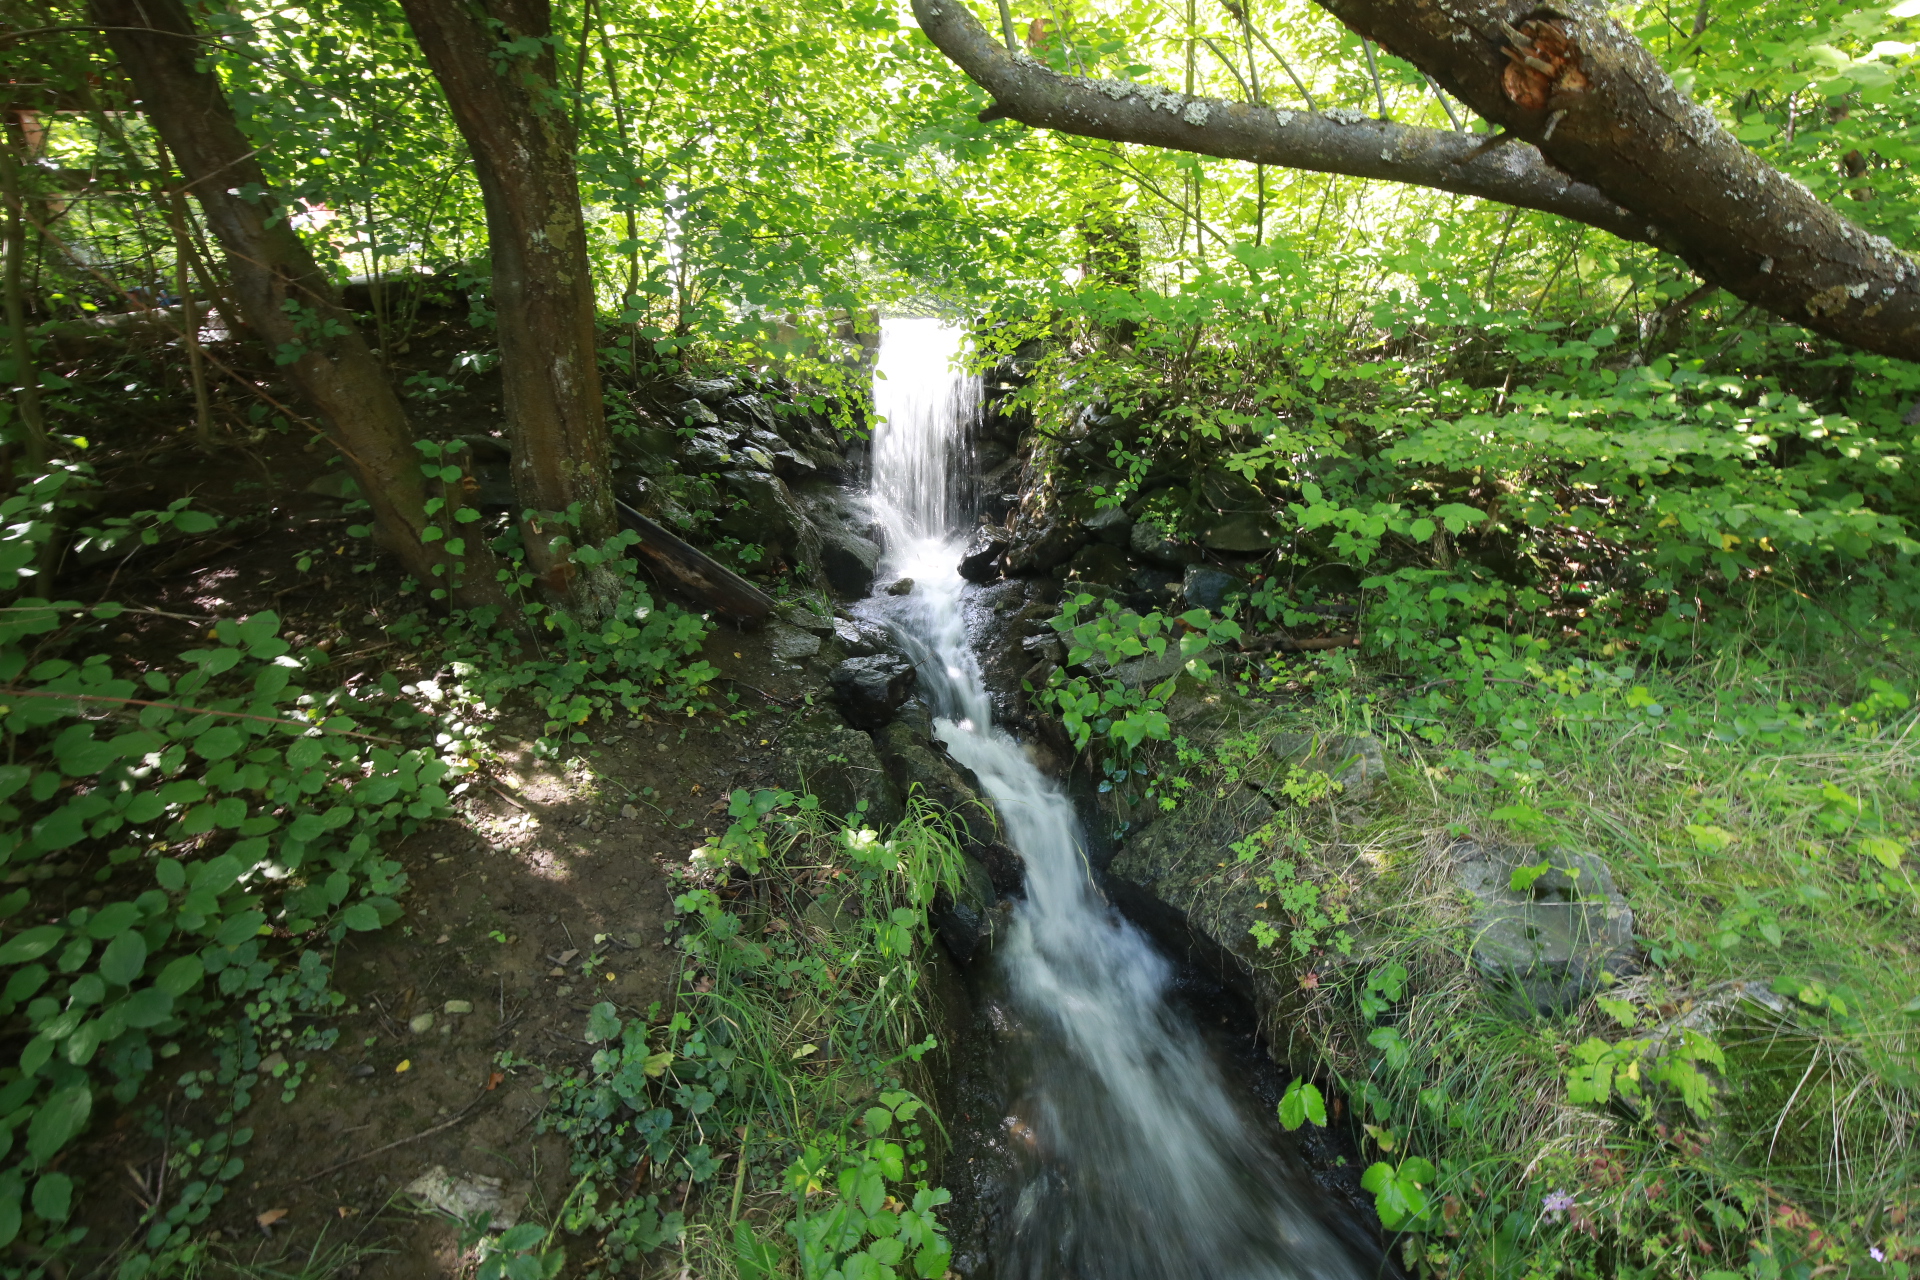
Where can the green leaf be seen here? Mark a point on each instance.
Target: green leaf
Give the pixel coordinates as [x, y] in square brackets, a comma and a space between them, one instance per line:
[53, 1197]
[124, 958]
[603, 1023]
[361, 918]
[1301, 1103]
[147, 1007]
[1523, 877]
[114, 918]
[62, 1116]
[180, 976]
[31, 944]
[218, 743]
[9, 1213]
[1394, 1045]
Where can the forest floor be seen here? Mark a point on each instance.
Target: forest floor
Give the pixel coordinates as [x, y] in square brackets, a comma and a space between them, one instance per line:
[545, 894]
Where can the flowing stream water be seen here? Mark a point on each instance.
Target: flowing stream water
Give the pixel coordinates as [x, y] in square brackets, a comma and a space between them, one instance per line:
[1139, 1163]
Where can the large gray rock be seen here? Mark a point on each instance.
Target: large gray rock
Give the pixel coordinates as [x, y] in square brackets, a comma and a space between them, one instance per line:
[1150, 542]
[1547, 942]
[1053, 544]
[706, 450]
[692, 413]
[711, 391]
[1111, 525]
[870, 691]
[848, 561]
[1208, 588]
[980, 562]
[823, 756]
[860, 638]
[1245, 533]
[770, 518]
[791, 644]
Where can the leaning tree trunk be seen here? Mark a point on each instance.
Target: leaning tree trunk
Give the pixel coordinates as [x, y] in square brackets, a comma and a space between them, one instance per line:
[285, 296]
[494, 62]
[1594, 131]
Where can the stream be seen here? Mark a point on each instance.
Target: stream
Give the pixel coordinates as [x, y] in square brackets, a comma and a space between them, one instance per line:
[1127, 1151]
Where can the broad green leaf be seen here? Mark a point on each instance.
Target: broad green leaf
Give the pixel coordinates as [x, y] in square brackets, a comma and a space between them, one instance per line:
[59, 1118]
[53, 1197]
[124, 958]
[31, 944]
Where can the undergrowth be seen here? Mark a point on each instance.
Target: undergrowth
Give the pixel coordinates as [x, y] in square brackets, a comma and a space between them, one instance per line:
[772, 1118]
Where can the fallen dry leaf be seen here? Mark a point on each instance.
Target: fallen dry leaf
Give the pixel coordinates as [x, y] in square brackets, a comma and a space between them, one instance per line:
[493, 1081]
[271, 1216]
[406, 1064]
[346, 1212]
[566, 957]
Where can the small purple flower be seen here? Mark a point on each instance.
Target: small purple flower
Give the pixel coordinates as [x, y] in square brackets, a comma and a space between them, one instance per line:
[1555, 1203]
[1873, 1251]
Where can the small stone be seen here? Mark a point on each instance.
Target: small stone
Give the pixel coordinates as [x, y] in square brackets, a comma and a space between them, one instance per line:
[628, 812]
[457, 1006]
[422, 1022]
[1207, 588]
[272, 1061]
[556, 972]
[441, 940]
[904, 587]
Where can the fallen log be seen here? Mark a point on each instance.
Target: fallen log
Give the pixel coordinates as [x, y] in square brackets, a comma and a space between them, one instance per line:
[693, 571]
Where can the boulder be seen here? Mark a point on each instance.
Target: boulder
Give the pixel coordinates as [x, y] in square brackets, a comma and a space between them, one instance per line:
[848, 560]
[1543, 938]
[964, 920]
[801, 614]
[1245, 533]
[1111, 525]
[1207, 588]
[919, 765]
[1151, 543]
[692, 413]
[900, 587]
[706, 450]
[770, 518]
[648, 450]
[710, 391]
[749, 411]
[871, 690]
[838, 764]
[1102, 565]
[791, 644]
[1053, 544]
[980, 562]
[860, 638]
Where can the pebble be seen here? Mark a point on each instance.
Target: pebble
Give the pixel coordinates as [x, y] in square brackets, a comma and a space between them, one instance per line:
[421, 1022]
[458, 1006]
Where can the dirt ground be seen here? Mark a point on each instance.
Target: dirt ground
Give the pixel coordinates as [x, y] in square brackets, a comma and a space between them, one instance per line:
[544, 894]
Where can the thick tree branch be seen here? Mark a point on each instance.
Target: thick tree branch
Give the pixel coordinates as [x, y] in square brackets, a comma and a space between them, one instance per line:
[1326, 142]
[1624, 150]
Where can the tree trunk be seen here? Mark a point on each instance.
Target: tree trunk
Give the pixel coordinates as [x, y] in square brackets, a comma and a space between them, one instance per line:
[1578, 96]
[502, 84]
[284, 295]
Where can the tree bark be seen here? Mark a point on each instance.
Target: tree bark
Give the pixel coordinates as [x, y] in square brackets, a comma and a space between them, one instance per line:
[284, 295]
[502, 84]
[1598, 134]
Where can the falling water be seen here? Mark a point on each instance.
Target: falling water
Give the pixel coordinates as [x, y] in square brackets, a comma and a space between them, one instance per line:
[1139, 1165]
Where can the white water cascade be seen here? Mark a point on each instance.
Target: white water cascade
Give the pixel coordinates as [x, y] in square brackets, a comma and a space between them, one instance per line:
[1138, 1164]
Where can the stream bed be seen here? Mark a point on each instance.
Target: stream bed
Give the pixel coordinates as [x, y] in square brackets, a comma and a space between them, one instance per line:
[1100, 1133]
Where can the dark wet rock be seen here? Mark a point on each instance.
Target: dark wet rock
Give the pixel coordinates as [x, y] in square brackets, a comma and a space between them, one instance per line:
[862, 639]
[1547, 942]
[980, 562]
[1154, 589]
[483, 448]
[1208, 588]
[769, 452]
[706, 450]
[848, 560]
[901, 587]
[1052, 545]
[653, 500]
[1111, 525]
[965, 919]
[650, 451]
[1101, 565]
[748, 411]
[770, 519]
[692, 413]
[920, 766]
[1244, 534]
[1150, 542]
[821, 754]
[1166, 875]
[711, 391]
[870, 691]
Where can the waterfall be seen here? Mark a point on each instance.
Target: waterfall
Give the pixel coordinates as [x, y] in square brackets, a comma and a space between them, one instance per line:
[1143, 1166]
